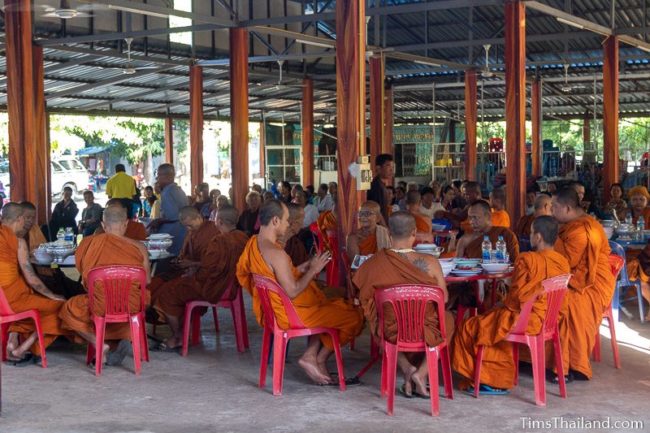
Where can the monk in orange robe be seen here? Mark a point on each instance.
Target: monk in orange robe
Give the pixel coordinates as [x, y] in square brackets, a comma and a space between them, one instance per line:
[583, 242]
[639, 198]
[134, 229]
[24, 290]
[110, 248]
[327, 224]
[491, 328]
[264, 256]
[369, 237]
[209, 281]
[402, 265]
[542, 207]
[422, 223]
[471, 191]
[293, 244]
[639, 269]
[480, 216]
[500, 217]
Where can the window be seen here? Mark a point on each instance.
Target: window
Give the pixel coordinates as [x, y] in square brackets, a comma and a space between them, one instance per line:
[174, 21]
[56, 168]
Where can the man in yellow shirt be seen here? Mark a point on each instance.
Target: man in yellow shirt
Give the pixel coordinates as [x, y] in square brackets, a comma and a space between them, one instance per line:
[121, 185]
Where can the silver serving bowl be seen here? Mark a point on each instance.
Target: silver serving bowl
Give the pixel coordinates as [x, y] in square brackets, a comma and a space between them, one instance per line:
[624, 229]
[158, 244]
[60, 250]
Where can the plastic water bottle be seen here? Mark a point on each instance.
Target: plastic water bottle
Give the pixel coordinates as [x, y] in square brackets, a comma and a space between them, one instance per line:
[69, 235]
[501, 250]
[60, 235]
[640, 227]
[486, 247]
[628, 219]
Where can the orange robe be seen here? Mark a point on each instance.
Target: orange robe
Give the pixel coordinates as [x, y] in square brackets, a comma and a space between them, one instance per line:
[134, 230]
[210, 281]
[296, 250]
[313, 308]
[584, 243]
[639, 268]
[326, 222]
[387, 268]
[523, 226]
[474, 250]
[95, 251]
[21, 297]
[422, 224]
[368, 245]
[491, 328]
[500, 218]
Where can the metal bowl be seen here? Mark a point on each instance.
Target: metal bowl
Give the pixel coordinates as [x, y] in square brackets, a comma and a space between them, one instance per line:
[624, 229]
[60, 250]
[158, 244]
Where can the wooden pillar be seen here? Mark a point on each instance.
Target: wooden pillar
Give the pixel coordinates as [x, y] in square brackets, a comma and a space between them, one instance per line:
[239, 115]
[536, 120]
[350, 109]
[610, 115]
[307, 132]
[471, 116]
[586, 130]
[515, 62]
[376, 107]
[196, 125]
[169, 140]
[387, 145]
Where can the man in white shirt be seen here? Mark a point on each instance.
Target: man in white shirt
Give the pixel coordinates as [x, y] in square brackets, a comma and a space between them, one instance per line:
[311, 212]
[324, 201]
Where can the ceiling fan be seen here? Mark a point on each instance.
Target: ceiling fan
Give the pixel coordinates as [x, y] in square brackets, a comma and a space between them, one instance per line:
[128, 68]
[64, 11]
[566, 87]
[486, 73]
[279, 85]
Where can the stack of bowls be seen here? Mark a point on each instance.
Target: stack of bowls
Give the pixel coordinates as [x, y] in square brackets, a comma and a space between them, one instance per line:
[447, 266]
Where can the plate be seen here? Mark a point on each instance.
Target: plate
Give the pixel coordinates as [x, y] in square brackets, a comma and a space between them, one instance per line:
[425, 247]
[159, 236]
[466, 272]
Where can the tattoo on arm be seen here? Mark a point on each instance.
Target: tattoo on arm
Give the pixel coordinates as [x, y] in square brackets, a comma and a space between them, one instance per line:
[422, 265]
[28, 271]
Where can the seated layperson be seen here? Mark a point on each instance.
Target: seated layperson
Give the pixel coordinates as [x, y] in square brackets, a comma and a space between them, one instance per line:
[490, 329]
[264, 256]
[402, 265]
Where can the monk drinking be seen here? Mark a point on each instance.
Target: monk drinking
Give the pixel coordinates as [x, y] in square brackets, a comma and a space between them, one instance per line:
[265, 257]
[500, 217]
[583, 242]
[491, 328]
[208, 280]
[111, 248]
[400, 264]
[24, 290]
[369, 237]
[542, 206]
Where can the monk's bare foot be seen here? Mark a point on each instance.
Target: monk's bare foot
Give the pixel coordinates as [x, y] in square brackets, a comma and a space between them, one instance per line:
[310, 365]
[105, 350]
[12, 343]
[420, 385]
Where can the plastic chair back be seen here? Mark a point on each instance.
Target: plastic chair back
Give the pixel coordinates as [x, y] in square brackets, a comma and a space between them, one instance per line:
[616, 263]
[265, 287]
[409, 303]
[554, 288]
[618, 250]
[5, 308]
[117, 283]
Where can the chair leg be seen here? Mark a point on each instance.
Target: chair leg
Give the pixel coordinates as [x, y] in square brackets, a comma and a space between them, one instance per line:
[391, 373]
[279, 346]
[446, 372]
[612, 331]
[195, 337]
[215, 318]
[477, 370]
[536, 346]
[515, 358]
[559, 367]
[187, 320]
[264, 358]
[596, 352]
[100, 328]
[143, 336]
[339, 359]
[384, 374]
[239, 320]
[4, 335]
[432, 366]
[135, 343]
[39, 333]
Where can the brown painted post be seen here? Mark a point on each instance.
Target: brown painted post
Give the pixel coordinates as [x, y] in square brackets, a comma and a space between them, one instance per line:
[307, 132]
[610, 115]
[387, 145]
[515, 62]
[41, 142]
[376, 107]
[239, 115]
[350, 109]
[471, 116]
[263, 153]
[196, 125]
[169, 140]
[536, 120]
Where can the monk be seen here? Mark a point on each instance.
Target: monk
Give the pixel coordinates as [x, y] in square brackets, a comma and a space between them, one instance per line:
[639, 198]
[327, 224]
[265, 257]
[134, 229]
[470, 191]
[480, 218]
[491, 328]
[293, 244]
[111, 248]
[25, 291]
[369, 236]
[206, 282]
[402, 265]
[583, 242]
[54, 279]
[542, 207]
[500, 217]
[639, 269]
[422, 223]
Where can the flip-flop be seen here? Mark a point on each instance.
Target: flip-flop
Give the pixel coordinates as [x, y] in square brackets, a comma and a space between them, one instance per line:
[117, 356]
[553, 378]
[349, 381]
[402, 392]
[162, 347]
[418, 395]
[22, 362]
[487, 390]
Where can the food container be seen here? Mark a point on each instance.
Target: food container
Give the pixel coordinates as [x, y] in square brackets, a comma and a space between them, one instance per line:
[493, 268]
[59, 250]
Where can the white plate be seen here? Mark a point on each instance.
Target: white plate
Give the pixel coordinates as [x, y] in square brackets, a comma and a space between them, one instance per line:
[466, 273]
[425, 247]
[159, 236]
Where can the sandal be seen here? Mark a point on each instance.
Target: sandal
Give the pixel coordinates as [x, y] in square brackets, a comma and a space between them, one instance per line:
[487, 390]
[402, 392]
[22, 362]
[163, 347]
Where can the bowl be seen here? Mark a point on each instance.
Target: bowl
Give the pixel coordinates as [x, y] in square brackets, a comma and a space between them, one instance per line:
[608, 223]
[42, 256]
[438, 227]
[493, 268]
[425, 247]
[156, 254]
[624, 229]
[158, 244]
[469, 263]
[159, 236]
[59, 250]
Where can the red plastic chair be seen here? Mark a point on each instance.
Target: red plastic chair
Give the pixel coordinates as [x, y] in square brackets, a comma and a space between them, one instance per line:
[616, 263]
[192, 320]
[555, 288]
[7, 316]
[409, 303]
[117, 283]
[281, 337]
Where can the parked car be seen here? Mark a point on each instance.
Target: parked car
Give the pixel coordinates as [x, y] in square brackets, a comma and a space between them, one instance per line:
[68, 171]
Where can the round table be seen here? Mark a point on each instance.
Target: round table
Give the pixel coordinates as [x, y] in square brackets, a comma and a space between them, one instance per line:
[480, 280]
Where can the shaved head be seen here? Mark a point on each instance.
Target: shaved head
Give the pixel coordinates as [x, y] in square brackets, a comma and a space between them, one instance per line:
[11, 212]
[28, 205]
[547, 227]
[189, 212]
[482, 205]
[413, 197]
[228, 215]
[568, 197]
[542, 201]
[295, 211]
[401, 224]
[114, 215]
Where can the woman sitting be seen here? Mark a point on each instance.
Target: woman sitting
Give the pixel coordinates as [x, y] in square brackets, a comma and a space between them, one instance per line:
[616, 206]
[639, 197]
[370, 236]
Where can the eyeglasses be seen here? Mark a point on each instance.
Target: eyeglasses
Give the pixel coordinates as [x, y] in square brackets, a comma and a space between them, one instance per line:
[365, 213]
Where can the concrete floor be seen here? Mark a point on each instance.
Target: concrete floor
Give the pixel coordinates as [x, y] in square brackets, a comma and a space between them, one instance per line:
[214, 390]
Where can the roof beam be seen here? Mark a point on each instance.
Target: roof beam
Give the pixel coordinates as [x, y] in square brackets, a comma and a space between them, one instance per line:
[272, 58]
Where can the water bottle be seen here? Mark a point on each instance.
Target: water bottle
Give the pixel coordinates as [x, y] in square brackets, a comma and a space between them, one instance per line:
[501, 250]
[69, 235]
[628, 219]
[486, 247]
[60, 235]
[640, 227]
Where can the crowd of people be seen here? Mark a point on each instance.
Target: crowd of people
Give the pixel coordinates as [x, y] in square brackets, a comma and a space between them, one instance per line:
[290, 234]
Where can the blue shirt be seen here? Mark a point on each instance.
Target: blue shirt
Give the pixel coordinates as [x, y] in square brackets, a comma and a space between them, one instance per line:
[172, 200]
